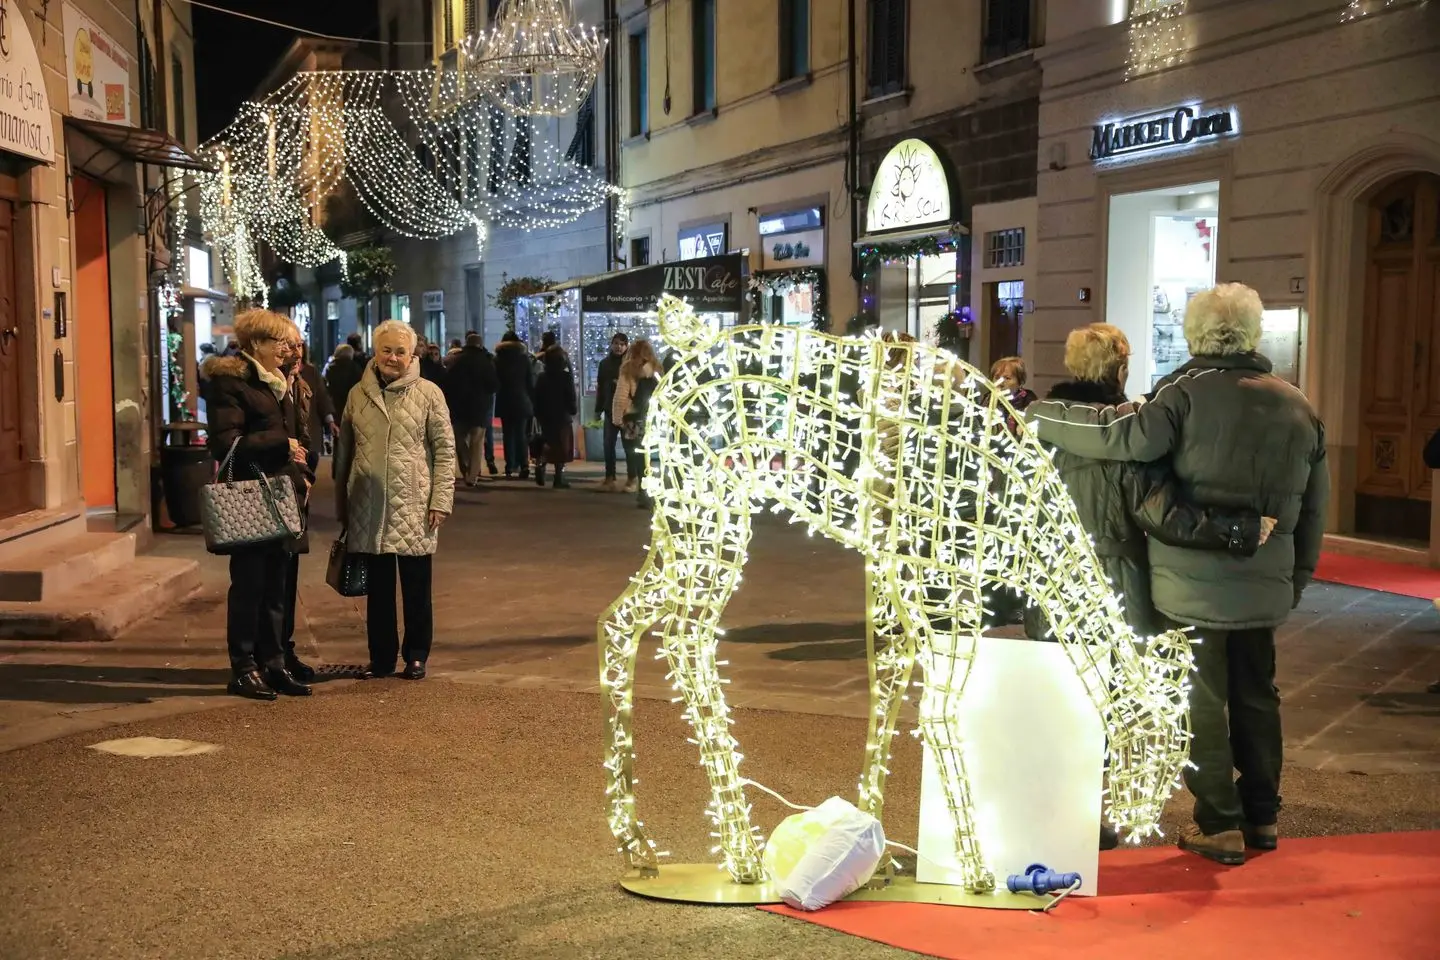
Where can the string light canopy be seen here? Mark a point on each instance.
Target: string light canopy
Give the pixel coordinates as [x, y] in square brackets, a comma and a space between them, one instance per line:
[418, 173]
[1157, 36]
[535, 61]
[901, 452]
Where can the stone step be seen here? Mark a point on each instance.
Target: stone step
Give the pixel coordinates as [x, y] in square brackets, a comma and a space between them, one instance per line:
[105, 607]
[50, 570]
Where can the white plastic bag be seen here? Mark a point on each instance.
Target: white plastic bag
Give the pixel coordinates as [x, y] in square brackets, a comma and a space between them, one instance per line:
[824, 854]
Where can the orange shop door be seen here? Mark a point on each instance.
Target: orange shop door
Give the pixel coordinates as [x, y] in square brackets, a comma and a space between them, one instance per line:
[94, 379]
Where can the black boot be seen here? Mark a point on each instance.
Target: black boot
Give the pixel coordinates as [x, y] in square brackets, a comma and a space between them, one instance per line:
[299, 669]
[251, 686]
[1109, 837]
[281, 681]
[539, 474]
[490, 464]
[560, 482]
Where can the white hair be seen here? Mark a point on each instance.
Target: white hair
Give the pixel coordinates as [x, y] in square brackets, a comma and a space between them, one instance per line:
[1224, 320]
[400, 327]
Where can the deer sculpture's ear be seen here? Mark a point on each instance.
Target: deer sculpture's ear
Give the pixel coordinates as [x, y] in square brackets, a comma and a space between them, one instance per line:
[682, 328]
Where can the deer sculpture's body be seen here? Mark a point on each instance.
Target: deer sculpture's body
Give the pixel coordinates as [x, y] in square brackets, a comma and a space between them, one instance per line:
[902, 453]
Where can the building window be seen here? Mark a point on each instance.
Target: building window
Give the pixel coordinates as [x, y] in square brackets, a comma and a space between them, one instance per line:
[639, 251]
[639, 83]
[794, 38]
[582, 145]
[497, 149]
[1007, 28]
[493, 8]
[177, 84]
[703, 39]
[1005, 248]
[885, 65]
[520, 151]
[427, 19]
[392, 44]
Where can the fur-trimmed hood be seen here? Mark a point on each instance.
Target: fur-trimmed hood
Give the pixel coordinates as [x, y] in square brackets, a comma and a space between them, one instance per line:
[1086, 391]
[223, 366]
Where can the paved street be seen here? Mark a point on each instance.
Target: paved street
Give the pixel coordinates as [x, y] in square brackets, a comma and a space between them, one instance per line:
[462, 817]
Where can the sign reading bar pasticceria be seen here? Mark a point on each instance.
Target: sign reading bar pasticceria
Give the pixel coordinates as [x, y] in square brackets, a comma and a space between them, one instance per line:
[711, 284]
[1177, 127]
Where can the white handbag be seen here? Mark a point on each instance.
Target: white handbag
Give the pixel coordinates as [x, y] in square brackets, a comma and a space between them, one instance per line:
[242, 513]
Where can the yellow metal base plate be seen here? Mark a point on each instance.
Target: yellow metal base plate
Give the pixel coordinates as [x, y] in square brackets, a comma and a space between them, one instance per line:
[708, 883]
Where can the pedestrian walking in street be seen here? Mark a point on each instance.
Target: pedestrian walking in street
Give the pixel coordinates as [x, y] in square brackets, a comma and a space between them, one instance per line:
[514, 402]
[394, 487]
[555, 409]
[430, 366]
[1237, 436]
[341, 376]
[299, 407]
[470, 386]
[357, 344]
[638, 376]
[605, 381]
[246, 407]
[322, 407]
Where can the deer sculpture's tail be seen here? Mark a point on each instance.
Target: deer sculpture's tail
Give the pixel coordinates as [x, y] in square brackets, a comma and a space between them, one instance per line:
[682, 328]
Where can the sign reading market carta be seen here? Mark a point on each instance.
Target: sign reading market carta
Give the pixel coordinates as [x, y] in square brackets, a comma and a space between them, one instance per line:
[1174, 128]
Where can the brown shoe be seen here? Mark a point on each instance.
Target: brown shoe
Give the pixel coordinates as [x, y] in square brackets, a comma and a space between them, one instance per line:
[1226, 848]
[1261, 838]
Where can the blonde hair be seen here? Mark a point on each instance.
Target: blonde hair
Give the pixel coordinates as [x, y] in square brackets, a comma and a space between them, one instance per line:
[1014, 365]
[397, 326]
[1097, 353]
[1224, 320]
[253, 326]
[637, 356]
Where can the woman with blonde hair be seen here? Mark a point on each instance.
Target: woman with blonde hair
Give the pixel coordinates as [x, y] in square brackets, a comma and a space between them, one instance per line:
[639, 373]
[394, 487]
[247, 422]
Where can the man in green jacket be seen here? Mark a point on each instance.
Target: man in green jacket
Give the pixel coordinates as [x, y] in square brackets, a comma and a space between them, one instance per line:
[1236, 436]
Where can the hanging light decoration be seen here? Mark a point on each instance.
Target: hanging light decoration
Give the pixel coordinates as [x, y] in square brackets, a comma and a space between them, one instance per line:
[536, 61]
[1157, 36]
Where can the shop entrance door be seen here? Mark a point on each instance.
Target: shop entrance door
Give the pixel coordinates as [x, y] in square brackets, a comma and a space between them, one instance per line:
[1400, 377]
[1005, 303]
[14, 496]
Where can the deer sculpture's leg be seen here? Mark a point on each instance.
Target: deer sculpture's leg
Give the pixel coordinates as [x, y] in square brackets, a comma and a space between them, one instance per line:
[703, 557]
[891, 652]
[641, 605]
[945, 648]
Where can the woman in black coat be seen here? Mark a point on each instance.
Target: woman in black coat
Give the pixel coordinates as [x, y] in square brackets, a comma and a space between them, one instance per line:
[516, 382]
[555, 408]
[247, 411]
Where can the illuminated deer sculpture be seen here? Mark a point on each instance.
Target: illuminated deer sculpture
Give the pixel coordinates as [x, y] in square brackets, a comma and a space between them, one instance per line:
[902, 453]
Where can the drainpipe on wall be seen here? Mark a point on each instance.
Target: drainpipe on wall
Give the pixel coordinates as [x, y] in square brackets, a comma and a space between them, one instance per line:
[852, 165]
[612, 129]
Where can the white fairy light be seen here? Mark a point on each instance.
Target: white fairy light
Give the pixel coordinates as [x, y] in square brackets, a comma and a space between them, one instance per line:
[1157, 36]
[901, 452]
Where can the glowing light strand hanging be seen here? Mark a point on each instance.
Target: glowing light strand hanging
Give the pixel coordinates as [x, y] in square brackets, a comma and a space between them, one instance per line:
[1157, 36]
[900, 452]
[535, 61]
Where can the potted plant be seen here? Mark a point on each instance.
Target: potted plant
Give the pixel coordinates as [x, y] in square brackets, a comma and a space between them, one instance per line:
[595, 440]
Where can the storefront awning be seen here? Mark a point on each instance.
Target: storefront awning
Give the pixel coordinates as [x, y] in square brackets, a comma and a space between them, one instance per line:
[154, 147]
[900, 236]
[711, 284]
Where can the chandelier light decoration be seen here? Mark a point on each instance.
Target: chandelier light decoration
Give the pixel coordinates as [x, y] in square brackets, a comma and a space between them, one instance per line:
[902, 453]
[419, 174]
[1157, 36]
[536, 61]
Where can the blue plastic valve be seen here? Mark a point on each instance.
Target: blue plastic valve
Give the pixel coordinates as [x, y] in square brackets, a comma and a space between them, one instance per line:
[1040, 879]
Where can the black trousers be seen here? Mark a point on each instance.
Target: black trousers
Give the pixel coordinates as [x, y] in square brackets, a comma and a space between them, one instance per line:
[637, 458]
[255, 607]
[1235, 670]
[515, 435]
[380, 625]
[612, 433]
[292, 586]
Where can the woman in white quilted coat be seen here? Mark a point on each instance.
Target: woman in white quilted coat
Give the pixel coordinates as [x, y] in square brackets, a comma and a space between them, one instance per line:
[394, 487]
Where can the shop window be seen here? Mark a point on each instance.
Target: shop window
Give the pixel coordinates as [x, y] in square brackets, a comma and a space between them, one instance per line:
[1005, 248]
[399, 307]
[639, 83]
[639, 251]
[1007, 28]
[704, 240]
[703, 53]
[1006, 309]
[582, 145]
[885, 56]
[794, 38]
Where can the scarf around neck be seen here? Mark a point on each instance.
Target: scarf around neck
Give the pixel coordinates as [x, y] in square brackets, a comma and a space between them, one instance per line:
[278, 385]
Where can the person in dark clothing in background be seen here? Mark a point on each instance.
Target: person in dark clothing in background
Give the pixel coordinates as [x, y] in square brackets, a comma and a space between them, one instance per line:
[341, 376]
[357, 344]
[470, 386]
[299, 407]
[430, 366]
[605, 381]
[514, 403]
[322, 408]
[555, 409]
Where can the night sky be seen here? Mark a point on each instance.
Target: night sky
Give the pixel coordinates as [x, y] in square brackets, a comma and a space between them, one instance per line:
[233, 55]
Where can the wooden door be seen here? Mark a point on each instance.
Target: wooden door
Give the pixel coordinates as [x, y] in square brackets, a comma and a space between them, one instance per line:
[94, 374]
[14, 492]
[1400, 379]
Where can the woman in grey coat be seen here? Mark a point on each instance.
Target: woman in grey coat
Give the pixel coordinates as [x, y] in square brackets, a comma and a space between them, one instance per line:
[394, 487]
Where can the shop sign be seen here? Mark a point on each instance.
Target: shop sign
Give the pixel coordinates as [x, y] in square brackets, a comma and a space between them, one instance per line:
[433, 301]
[25, 126]
[98, 69]
[1175, 128]
[793, 239]
[711, 284]
[706, 240]
[910, 189]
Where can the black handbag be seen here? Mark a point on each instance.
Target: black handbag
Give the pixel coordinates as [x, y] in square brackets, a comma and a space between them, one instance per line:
[346, 572]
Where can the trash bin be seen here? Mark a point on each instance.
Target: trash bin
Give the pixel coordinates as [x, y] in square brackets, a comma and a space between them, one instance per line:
[185, 467]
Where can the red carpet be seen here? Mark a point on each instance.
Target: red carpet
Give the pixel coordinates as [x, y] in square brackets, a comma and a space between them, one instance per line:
[1401, 578]
[1333, 898]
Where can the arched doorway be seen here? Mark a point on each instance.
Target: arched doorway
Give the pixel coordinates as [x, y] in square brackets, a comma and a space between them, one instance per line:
[1400, 359]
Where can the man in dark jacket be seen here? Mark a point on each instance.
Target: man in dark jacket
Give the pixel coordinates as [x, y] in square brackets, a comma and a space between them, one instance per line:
[470, 386]
[514, 401]
[344, 372]
[1237, 436]
[605, 380]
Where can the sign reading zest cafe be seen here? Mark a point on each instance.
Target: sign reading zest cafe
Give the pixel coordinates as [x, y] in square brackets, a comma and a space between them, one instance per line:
[1178, 127]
